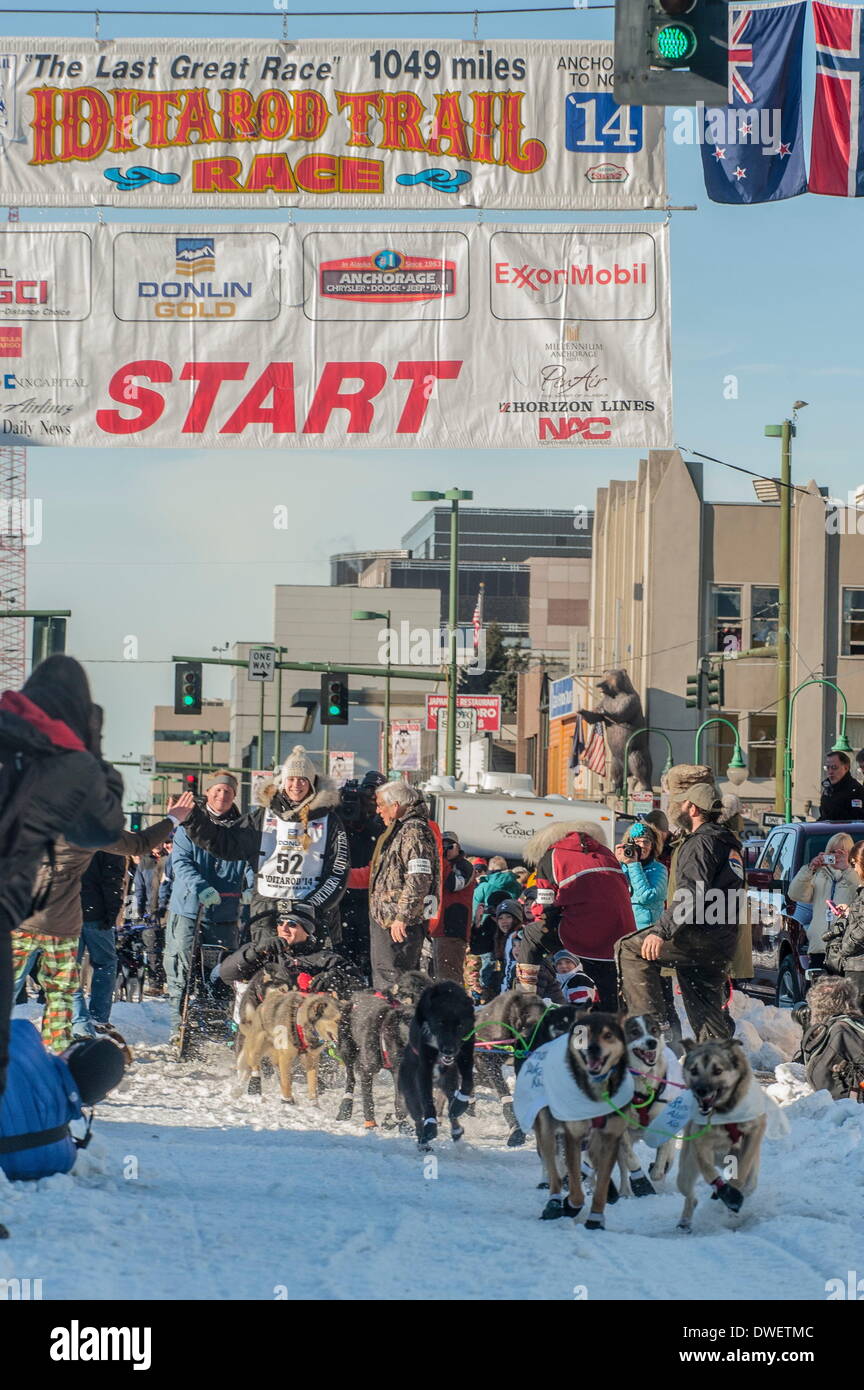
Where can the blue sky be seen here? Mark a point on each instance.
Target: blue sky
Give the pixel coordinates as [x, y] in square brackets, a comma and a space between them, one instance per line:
[177, 548]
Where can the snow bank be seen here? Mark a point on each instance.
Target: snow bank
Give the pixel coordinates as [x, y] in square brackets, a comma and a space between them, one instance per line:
[770, 1036]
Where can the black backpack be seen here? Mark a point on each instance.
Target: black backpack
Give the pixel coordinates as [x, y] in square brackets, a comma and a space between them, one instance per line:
[833, 1054]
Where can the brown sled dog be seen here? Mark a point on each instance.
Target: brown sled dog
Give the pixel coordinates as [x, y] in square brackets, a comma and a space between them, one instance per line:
[596, 1048]
[285, 1026]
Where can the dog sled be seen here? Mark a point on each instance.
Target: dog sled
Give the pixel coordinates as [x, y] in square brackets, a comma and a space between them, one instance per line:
[205, 1014]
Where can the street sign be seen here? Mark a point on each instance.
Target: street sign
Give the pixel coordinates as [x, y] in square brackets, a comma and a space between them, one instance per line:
[487, 707]
[262, 664]
[562, 699]
[147, 763]
[773, 818]
[642, 801]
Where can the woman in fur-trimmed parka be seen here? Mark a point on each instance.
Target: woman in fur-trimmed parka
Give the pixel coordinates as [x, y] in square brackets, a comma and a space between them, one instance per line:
[294, 840]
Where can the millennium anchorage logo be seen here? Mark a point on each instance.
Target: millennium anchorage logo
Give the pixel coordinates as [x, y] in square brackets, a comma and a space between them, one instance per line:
[387, 276]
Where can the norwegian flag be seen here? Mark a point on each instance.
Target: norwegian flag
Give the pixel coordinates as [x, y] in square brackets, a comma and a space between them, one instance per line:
[837, 150]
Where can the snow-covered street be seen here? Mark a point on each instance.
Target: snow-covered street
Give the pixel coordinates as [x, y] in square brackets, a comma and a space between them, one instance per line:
[188, 1190]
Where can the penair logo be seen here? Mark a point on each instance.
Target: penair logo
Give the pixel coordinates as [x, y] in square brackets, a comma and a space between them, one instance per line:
[387, 276]
[533, 277]
[190, 296]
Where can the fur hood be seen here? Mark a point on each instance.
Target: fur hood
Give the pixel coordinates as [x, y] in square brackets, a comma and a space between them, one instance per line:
[545, 839]
[325, 796]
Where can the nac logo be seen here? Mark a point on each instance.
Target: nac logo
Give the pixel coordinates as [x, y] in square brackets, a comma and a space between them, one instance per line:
[388, 260]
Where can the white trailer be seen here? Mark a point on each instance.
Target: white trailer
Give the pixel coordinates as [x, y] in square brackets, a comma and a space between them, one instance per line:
[491, 822]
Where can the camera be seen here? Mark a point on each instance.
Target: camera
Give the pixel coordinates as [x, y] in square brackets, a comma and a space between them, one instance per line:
[829, 859]
[630, 851]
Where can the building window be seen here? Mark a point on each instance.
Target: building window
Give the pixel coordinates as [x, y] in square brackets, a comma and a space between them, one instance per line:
[764, 609]
[726, 628]
[761, 745]
[853, 622]
[721, 745]
[855, 734]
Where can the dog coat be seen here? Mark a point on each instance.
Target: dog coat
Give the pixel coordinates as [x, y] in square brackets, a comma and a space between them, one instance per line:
[674, 1103]
[546, 1080]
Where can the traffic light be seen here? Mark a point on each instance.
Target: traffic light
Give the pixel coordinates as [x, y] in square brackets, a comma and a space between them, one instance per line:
[334, 699]
[136, 820]
[671, 52]
[187, 687]
[190, 783]
[695, 697]
[715, 688]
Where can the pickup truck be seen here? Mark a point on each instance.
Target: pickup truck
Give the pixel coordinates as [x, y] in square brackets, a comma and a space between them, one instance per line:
[779, 942]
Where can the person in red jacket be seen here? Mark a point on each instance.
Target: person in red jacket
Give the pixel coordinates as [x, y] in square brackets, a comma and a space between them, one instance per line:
[583, 905]
[449, 932]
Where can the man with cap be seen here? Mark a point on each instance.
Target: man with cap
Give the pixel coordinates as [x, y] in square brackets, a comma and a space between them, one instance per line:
[449, 933]
[698, 931]
[293, 956]
[201, 881]
[294, 840]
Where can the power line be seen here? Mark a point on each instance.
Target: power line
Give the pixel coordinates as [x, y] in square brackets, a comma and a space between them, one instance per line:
[318, 14]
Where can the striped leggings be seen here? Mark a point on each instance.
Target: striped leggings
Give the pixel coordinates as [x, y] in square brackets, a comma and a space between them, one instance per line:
[58, 976]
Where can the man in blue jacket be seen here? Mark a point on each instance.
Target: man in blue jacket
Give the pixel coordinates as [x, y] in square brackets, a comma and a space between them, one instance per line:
[200, 880]
[45, 1092]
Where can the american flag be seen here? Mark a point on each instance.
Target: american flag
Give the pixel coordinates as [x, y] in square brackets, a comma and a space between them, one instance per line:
[589, 747]
[477, 620]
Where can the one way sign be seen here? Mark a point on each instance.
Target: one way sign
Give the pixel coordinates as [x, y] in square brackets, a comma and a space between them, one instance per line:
[262, 663]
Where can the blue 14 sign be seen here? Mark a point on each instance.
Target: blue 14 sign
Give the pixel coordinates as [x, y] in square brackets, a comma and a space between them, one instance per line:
[596, 124]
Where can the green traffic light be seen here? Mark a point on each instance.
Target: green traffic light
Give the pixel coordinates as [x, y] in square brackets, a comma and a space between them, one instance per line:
[675, 43]
[188, 699]
[334, 709]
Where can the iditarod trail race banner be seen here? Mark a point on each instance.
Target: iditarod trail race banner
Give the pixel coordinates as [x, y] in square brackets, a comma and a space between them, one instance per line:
[280, 336]
[363, 124]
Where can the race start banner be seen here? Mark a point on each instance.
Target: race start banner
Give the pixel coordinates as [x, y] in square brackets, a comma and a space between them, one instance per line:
[355, 123]
[305, 336]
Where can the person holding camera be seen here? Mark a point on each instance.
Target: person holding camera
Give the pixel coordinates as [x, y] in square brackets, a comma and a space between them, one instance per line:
[639, 857]
[844, 939]
[828, 877]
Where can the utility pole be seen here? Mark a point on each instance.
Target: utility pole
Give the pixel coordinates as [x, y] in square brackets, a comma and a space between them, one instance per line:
[785, 433]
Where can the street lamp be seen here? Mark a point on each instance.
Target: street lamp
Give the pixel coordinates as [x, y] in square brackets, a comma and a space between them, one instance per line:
[785, 433]
[666, 766]
[737, 769]
[841, 743]
[362, 615]
[454, 496]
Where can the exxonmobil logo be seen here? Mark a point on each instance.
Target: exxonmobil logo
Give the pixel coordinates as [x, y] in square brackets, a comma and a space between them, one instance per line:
[533, 277]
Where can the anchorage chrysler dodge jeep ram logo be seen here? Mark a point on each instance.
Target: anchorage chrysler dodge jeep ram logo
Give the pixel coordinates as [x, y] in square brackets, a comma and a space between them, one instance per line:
[387, 276]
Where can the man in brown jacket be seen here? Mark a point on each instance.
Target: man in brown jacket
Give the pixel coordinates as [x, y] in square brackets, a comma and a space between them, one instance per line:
[404, 881]
[51, 935]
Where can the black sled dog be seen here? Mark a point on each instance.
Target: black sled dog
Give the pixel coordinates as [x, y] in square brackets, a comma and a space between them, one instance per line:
[440, 1052]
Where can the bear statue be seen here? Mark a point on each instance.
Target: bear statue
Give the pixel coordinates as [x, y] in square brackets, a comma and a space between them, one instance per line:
[620, 710]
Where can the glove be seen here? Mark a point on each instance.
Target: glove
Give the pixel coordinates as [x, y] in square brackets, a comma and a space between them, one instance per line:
[215, 977]
[208, 897]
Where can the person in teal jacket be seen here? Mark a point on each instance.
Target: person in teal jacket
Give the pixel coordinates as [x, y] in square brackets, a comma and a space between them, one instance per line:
[646, 876]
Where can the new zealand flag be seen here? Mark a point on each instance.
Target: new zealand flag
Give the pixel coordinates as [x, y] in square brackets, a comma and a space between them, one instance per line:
[837, 152]
[753, 150]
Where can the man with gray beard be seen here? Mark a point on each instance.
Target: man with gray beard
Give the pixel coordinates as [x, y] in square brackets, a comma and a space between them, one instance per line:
[698, 931]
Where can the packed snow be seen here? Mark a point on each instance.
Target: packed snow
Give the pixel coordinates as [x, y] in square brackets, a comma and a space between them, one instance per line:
[191, 1190]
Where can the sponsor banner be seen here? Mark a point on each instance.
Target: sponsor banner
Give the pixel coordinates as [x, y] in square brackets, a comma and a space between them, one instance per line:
[486, 707]
[436, 337]
[405, 745]
[357, 123]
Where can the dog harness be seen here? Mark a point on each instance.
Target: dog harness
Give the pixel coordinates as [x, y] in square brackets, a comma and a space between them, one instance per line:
[546, 1081]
